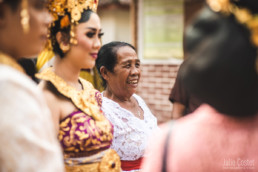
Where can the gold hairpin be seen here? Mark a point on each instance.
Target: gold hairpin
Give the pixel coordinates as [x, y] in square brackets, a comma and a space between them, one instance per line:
[59, 9]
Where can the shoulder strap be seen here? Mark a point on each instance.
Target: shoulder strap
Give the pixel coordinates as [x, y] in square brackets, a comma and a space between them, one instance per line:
[166, 146]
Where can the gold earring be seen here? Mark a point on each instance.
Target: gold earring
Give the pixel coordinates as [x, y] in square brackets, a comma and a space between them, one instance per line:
[64, 48]
[73, 39]
[49, 43]
[25, 18]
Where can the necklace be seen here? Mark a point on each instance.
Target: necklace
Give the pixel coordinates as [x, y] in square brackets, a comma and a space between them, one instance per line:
[138, 112]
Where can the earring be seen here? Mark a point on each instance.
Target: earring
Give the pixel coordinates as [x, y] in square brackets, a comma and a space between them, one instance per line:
[64, 48]
[49, 43]
[25, 16]
[73, 39]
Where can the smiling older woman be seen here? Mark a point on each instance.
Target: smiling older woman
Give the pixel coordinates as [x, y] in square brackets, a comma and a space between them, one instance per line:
[133, 121]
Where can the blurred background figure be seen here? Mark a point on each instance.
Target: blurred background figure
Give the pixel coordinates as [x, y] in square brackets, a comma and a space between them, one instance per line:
[28, 142]
[93, 76]
[183, 101]
[222, 72]
[133, 121]
[83, 131]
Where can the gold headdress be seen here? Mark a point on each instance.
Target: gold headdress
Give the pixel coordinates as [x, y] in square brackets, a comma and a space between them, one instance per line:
[242, 15]
[58, 9]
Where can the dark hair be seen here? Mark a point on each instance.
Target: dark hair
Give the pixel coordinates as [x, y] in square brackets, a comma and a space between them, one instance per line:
[249, 4]
[85, 16]
[13, 4]
[107, 56]
[220, 69]
[29, 65]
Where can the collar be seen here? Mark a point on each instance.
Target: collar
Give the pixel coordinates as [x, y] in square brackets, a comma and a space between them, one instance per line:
[85, 100]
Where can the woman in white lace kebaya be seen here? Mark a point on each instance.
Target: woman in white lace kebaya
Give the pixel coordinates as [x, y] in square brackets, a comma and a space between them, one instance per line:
[133, 121]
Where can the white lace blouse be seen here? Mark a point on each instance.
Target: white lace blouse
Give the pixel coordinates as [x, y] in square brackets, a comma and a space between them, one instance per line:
[130, 133]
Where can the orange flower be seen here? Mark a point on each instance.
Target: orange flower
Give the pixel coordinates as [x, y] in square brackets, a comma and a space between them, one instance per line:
[65, 21]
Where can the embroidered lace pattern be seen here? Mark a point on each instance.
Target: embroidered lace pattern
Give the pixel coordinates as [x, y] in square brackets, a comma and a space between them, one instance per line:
[130, 133]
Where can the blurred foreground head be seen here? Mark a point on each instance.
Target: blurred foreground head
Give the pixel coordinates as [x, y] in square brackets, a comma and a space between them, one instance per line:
[221, 68]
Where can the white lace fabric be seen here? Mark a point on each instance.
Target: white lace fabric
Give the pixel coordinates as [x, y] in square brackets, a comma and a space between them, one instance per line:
[130, 133]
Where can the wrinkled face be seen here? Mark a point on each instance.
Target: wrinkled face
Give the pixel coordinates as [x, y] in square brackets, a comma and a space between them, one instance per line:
[124, 80]
[17, 43]
[88, 34]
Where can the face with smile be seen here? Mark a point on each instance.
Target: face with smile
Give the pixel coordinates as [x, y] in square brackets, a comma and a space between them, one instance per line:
[84, 54]
[17, 43]
[124, 79]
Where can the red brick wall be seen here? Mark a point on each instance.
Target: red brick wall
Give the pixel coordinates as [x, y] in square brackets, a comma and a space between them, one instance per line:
[155, 86]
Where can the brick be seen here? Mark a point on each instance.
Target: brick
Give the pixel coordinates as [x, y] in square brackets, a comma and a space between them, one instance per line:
[156, 83]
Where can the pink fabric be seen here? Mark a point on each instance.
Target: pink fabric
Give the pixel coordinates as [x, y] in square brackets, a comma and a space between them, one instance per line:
[206, 141]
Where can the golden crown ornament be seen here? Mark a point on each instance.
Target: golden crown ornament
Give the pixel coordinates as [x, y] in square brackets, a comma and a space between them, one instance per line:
[74, 7]
[58, 9]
